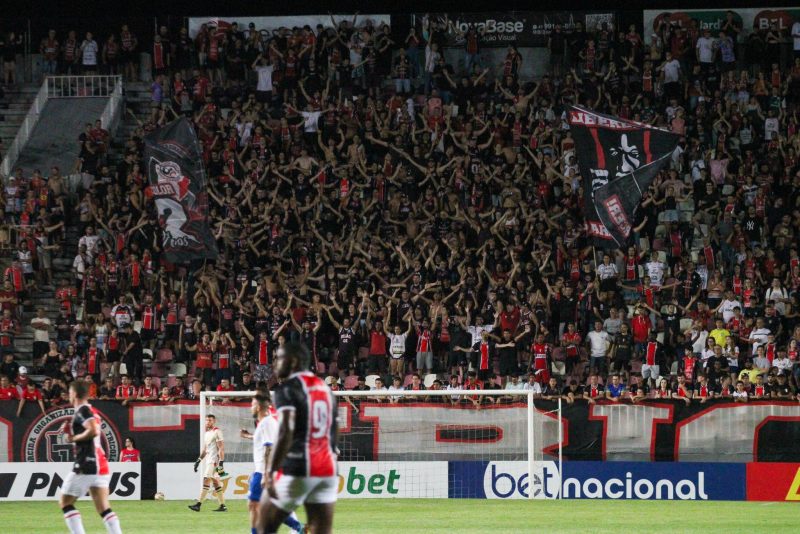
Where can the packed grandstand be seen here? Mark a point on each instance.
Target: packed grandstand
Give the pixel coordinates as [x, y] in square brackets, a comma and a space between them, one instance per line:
[413, 212]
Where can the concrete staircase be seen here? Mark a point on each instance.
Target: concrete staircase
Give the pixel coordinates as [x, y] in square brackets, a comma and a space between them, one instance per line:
[14, 105]
[138, 100]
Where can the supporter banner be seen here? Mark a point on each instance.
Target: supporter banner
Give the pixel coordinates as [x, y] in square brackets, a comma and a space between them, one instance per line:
[599, 480]
[773, 482]
[718, 431]
[42, 481]
[178, 187]
[518, 28]
[618, 160]
[362, 480]
[747, 19]
[270, 24]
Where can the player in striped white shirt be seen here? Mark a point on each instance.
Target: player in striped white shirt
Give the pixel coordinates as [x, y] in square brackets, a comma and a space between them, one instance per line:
[263, 438]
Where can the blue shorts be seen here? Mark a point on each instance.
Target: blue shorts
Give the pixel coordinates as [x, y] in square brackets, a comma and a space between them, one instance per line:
[255, 487]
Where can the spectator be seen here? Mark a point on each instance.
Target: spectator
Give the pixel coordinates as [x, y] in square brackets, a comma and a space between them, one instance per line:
[130, 453]
[30, 393]
[89, 51]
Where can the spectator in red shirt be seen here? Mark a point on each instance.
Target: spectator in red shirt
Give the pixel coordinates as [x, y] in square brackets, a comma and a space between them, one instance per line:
[7, 391]
[30, 394]
[130, 453]
[126, 391]
[147, 391]
[641, 326]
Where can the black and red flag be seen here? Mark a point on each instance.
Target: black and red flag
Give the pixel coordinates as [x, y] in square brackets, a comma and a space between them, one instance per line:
[618, 159]
[177, 185]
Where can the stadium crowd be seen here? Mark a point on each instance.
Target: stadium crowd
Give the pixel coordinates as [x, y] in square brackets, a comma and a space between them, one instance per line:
[406, 210]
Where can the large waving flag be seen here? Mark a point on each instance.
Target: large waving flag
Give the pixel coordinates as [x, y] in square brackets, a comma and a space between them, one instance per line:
[618, 159]
[178, 188]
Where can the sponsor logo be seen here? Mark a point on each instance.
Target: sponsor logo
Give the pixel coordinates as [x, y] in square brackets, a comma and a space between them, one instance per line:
[356, 484]
[510, 480]
[43, 480]
[45, 442]
[491, 26]
[773, 482]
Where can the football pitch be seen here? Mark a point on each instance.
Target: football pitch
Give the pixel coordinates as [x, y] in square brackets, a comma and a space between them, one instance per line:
[430, 517]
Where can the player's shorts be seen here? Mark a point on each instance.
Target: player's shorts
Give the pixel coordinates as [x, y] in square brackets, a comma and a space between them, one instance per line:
[210, 470]
[77, 484]
[255, 487]
[292, 492]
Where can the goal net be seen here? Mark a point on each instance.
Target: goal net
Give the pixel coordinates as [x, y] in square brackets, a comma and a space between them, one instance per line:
[425, 444]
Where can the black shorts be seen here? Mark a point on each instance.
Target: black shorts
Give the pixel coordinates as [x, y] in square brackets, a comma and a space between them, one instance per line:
[147, 334]
[456, 358]
[608, 284]
[622, 363]
[171, 331]
[112, 356]
[508, 367]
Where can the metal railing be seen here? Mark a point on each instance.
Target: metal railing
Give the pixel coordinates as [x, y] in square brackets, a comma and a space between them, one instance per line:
[82, 86]
[67, 87]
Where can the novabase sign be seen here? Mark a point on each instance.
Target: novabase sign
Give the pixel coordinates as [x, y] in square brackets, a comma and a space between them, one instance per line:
[42, 481]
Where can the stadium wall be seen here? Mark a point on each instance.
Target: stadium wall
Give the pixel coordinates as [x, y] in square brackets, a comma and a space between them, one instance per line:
[758, 442]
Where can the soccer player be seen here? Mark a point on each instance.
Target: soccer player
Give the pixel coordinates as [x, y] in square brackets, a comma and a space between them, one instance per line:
[214, 448]
[263, 439]
[301, 468]
[90, 471]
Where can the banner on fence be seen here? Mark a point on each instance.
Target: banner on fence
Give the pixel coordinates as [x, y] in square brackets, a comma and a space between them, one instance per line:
[270, 24]
[718, 431]
[362, 480]
[42, 481]
[745, 19]
[517, 28]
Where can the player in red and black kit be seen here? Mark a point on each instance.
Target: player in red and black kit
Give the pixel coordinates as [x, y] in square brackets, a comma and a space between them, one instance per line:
[90, 472]
[302, 465]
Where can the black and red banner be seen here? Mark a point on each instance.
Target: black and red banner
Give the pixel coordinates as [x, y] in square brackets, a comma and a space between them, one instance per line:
[178, 188]
[619, 159]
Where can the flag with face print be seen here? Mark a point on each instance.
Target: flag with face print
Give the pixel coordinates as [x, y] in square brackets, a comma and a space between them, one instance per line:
[618, 159]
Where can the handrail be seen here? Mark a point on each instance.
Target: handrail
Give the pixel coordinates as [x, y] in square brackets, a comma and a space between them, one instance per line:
[66, 87]
[81, 86]
[24, 132]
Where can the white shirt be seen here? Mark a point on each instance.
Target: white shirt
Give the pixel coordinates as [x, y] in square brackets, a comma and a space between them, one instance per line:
[536, 387]
[264, 77]
[775, 294]
[91, 243]
[79, 265]
[89, 49]
[672, 71]
[606, 271]
[771, 127]
[311, 120]
[265, 435]
[759, 336]
[705, 47]
[700, 343]
[655, 270]
[41, 335]
[392, 388]
[211, 439]
[782, 363]
[727, 309]
[796, 35]
[397, 345]
[598, 343]
[477, 331]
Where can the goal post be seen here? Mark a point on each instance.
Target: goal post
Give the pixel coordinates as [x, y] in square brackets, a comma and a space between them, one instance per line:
[425, 444]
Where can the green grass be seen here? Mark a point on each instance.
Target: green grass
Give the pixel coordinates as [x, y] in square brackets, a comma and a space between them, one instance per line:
[431, 517]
